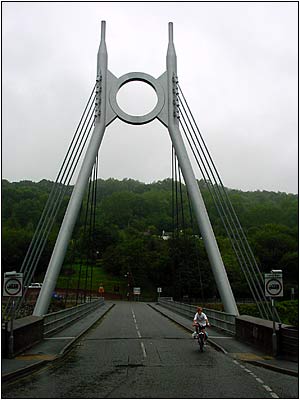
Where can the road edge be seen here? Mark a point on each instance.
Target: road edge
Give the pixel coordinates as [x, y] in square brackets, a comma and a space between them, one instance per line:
[22, 372]
[221, 349]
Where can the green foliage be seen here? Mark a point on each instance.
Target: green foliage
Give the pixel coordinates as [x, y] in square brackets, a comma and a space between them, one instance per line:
[130, 218]
[288, 311]
[88, 277]
[276, 245]
[249, 309]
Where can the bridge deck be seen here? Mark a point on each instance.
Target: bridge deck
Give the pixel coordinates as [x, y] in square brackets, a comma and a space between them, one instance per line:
[52, 348]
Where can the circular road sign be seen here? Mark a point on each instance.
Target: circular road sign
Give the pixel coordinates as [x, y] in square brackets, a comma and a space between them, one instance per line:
[274, 287]
[13, 287]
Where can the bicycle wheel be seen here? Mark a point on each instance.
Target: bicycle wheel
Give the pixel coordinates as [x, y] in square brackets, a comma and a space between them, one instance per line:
[201, 342]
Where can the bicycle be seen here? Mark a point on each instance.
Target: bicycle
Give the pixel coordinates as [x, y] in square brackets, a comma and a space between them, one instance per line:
[201, 336]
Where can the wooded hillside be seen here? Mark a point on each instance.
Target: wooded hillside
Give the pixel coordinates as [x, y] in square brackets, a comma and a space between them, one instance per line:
[129, 221]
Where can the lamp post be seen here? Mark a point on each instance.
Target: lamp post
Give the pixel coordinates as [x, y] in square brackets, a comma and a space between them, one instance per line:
[127, 275]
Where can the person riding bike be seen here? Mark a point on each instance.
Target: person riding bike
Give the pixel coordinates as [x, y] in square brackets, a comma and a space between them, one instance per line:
[201, 321]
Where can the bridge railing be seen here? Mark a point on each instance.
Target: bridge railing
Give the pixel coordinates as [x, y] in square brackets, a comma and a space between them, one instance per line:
[218, 319]
[56, 321]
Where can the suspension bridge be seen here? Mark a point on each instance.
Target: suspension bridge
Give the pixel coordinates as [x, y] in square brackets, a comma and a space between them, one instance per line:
[173, 111]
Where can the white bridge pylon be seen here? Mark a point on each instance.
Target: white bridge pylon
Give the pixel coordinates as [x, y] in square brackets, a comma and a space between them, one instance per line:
[107, 110]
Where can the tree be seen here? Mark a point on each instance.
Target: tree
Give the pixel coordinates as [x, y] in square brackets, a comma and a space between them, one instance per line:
[130, 217]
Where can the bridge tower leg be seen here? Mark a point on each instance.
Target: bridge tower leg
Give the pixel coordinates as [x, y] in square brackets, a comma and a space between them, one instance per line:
[75, 202]
[203, 221]
[106, 112]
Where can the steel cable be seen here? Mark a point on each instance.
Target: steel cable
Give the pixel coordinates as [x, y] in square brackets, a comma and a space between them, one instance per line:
[220, 182]
[239, 236]
[251, 286]
[50, 210]
[181, 199]
[47, 225]
[53, 211]
[55, 186]
[191, 220]
[94, 222]
[176, 193]
[213, 197]
[217, 201]
[83, 243]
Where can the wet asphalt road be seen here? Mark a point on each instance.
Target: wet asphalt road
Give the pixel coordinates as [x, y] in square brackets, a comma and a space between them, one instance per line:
[134, 352]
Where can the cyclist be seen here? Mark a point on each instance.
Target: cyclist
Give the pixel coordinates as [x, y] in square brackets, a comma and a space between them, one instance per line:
[201, 321]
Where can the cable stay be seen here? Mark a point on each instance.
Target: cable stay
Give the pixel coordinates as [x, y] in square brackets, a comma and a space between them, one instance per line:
[216, 199]
[91, 251]
[92, 246]
[225, 209]
[58, 191]
[178, 211]
[88, 251]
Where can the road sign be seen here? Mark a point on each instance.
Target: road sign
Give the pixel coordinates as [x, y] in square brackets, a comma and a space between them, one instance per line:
[101, 289]
[159, 290]
[12, 284]
[136, 290]
[273, 285]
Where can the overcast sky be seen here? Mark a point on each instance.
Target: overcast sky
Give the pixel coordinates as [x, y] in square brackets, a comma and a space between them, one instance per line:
[237, 66]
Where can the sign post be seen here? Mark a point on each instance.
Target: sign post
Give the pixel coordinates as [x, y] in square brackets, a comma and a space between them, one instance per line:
[137, 292]
[159, 290]
[12, 287]
[101, 290]
[292, 293]
[274, 288]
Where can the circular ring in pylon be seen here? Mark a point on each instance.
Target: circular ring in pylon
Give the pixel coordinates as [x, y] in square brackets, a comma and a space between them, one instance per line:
[137, 119]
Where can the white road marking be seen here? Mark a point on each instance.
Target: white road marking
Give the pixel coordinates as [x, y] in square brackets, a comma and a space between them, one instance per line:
[59, 338]
[267, 388]
[220, 337]
[139, 334]
[274, 395]
[143, 350]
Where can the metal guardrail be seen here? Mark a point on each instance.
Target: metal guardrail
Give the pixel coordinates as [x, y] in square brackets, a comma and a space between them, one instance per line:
[219, 319]
[59, 320]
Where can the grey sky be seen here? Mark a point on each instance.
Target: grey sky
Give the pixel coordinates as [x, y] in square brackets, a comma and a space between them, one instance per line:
[237, 66]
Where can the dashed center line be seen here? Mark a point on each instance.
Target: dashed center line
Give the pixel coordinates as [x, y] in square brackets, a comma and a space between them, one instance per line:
[139, 334]
[268, 389]
[143, 349]
[274, 395]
